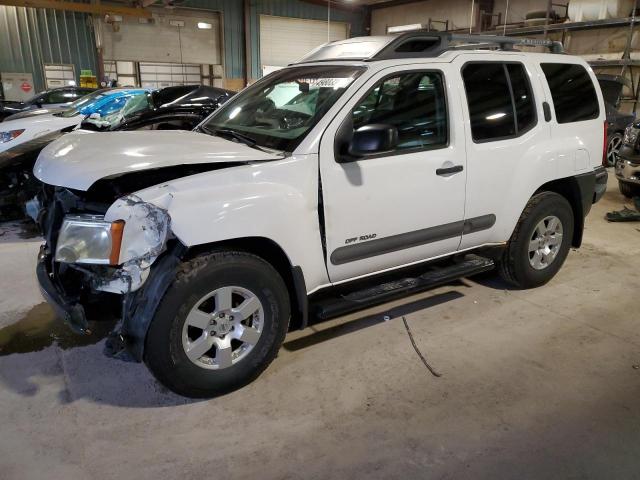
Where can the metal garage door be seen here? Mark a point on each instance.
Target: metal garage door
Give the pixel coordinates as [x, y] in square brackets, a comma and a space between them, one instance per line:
[174, 47]
[284, 40]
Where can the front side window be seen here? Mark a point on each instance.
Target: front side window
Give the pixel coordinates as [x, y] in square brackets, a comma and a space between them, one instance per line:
[278, 111]
[574, 97]
[412, 102]
[61, 96]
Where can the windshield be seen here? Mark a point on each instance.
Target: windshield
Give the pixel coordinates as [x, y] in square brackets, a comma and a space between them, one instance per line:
[112, 113]
[75, 107]
[278, 111]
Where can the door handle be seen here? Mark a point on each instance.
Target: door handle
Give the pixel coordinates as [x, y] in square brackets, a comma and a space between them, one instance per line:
[449, 170]
[547, 111]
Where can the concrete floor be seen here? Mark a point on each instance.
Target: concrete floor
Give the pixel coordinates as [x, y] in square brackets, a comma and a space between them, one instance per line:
[535, 384]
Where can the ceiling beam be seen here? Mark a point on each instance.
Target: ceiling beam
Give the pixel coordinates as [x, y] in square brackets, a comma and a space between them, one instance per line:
[391, 3]
[99, 9]
[336, 5]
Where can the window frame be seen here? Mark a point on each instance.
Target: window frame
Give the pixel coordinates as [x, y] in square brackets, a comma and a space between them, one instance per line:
[553, 103]
[403, 151]
[504, 64]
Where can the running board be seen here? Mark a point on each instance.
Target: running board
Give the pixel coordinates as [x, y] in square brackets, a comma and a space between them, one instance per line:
[369, 296]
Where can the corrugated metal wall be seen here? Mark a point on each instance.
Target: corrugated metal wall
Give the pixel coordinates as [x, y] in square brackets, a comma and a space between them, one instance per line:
[31, 37]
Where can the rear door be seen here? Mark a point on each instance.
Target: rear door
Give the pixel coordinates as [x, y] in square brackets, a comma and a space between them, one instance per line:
[506, 140]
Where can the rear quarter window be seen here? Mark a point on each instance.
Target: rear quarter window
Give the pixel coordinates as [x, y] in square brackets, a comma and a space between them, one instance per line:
[574, 96]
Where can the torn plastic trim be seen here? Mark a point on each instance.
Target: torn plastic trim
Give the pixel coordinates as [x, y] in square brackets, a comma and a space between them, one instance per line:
[126, 342]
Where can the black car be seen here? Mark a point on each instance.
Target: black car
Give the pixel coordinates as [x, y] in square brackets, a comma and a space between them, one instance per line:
[611, 86]
[171, 108]
[54, 98]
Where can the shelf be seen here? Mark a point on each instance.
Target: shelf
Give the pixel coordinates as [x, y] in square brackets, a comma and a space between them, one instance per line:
[614, 63]
[558, 27]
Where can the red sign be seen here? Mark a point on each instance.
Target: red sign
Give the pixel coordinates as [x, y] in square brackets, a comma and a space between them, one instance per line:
[25, 87]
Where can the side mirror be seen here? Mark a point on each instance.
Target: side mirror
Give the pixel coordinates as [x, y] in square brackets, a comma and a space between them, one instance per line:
[373, 139]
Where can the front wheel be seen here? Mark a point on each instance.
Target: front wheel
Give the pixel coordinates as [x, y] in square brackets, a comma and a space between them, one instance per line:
[220, 324]
[540, 243]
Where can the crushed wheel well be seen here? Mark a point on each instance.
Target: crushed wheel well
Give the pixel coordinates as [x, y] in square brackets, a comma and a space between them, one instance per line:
[569, 189]
[271, 252]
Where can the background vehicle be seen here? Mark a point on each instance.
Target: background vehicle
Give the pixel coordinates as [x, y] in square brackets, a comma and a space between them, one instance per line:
[627, 167]
[612, 87]
[375, 167]
[54, 98]
[22, 139]
[171, 108]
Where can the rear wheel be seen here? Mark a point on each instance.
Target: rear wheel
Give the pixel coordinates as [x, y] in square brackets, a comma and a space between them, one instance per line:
[219, 325]
[628, 190]
[540, 243]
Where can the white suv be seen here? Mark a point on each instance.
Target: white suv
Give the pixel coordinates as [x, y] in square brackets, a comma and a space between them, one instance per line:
[374, 167]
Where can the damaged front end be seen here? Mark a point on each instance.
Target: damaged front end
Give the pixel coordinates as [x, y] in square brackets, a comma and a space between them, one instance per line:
[94, 250]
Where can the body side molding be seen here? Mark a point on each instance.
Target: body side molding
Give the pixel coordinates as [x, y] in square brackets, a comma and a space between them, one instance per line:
[380, 246]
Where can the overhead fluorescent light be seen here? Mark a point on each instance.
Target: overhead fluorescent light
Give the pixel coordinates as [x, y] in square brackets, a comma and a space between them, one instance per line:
[205, 26]
[406, 28]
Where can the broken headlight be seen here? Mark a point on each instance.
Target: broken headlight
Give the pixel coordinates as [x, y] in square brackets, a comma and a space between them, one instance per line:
[10, 135]
[89, 239]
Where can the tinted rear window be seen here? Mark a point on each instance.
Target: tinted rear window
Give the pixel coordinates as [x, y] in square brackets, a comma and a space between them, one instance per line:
[573, 93]
[489, 99]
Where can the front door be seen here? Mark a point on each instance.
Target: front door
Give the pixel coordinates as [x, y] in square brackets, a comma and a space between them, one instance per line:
[405, 205]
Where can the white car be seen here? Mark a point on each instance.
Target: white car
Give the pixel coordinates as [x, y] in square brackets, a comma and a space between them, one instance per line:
[374, 167]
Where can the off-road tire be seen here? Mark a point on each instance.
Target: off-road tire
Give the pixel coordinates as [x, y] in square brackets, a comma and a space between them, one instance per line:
[628, 190]
[164, 353]
[514, 266]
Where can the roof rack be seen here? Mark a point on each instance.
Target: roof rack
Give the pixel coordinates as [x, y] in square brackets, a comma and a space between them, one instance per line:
[419, 44]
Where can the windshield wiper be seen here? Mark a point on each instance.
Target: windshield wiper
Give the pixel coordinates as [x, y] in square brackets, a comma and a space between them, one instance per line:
[246, 139]
[240, 137]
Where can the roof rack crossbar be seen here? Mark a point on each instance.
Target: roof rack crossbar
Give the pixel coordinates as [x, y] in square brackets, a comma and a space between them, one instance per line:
[445, 41]
[419, 44]
[504, 43]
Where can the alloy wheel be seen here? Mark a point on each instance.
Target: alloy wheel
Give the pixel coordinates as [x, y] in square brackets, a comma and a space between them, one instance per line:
[545, 242]
[223, 327]
[613, 149]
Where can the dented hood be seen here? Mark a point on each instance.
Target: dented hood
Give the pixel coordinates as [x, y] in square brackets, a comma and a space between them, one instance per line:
[79, 159]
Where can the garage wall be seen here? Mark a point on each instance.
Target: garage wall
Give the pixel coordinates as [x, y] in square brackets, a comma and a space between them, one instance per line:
[67, 37]
[519, 8]
[284, 40]
[233, 23]
[356, 20]
[159, 41]
[457, 12]
[31, 37]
